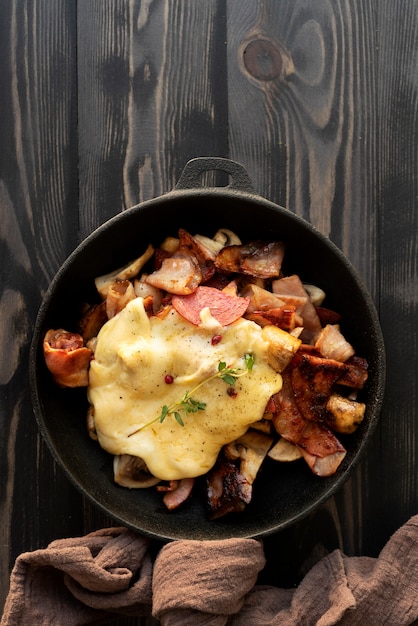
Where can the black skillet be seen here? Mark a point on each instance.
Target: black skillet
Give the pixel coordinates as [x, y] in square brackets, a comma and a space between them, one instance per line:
[283, 493]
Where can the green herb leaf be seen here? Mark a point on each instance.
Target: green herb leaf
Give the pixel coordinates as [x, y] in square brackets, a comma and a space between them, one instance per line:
[178, 418]
[188, 404]
[164, 413]
[249, 361]
[229, 379]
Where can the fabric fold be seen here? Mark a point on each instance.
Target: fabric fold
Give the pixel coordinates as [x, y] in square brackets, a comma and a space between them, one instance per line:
[203, 582]
[93, 579]
[81, 580]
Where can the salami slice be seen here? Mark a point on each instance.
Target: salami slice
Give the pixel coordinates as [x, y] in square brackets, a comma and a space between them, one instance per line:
[225, 308]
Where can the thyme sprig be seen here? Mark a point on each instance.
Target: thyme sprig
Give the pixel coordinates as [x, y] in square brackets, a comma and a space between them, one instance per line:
[188, 404]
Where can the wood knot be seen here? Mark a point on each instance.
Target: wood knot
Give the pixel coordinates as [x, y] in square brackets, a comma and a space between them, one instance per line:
[265, 60]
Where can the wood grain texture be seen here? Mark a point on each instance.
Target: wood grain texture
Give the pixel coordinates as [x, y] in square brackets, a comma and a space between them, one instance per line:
[102, 105]
[313, 125]
[148, 99]
[38, 188]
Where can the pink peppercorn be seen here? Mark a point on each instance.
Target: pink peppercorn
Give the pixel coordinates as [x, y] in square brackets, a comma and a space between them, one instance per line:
[168, 379]
[216, 339]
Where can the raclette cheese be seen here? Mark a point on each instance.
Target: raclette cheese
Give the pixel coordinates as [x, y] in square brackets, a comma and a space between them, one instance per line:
[135, 357]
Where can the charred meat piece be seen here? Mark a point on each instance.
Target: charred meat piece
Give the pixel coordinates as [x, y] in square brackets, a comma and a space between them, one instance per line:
[356, 373]
[321, 449]
[332, 344]
[202, 253]
[313, 379]
[119, 294]
[287, 418]
[283, 317]
[227, 489]
[92, 320]
[318, 445]
[257, 258]
[179, 274]
[290, 289]
[181, 271]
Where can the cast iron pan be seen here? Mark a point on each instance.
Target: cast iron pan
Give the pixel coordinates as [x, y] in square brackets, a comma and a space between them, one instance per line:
[283, 493]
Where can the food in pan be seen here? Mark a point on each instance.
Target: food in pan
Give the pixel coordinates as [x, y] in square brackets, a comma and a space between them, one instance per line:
[202, 359]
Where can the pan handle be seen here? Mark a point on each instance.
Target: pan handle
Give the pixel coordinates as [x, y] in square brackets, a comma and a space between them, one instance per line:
[190, 177]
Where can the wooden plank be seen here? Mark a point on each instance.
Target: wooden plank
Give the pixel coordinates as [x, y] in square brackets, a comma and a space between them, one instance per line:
[149, 99]
[38, 185]
[303, 82]
[316, 144]
[391, 477]
[298, 71]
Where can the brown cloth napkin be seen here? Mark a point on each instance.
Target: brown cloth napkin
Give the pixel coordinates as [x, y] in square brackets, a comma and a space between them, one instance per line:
[109, 573]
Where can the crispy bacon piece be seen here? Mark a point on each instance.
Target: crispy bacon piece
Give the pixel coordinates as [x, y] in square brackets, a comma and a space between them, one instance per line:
[227, 489]
[286, 416]
[92, 320]
[151, 295]
[203, 255]
[177, 492]
[319, 446]
[356, 373]
[119, 294]
[332, 344]
[326, 465]
[284, 318]
[301, 411]
[321, 449]
[290, 289]
[257, 258]
[266, 307]
[313, 379]
[67, 358]
[179, 274]
[327, 316]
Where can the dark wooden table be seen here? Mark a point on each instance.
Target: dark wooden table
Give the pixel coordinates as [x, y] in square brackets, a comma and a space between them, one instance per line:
[102, 104]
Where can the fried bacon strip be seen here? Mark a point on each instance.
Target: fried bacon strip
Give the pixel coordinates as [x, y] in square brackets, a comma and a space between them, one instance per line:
[183, 270]
[332, 344]
[179, 274]
[177, 492]
[67, 358]
[92, 320]
[320, 448]
[290, 290]
[118, 295]
[228, 490]
[313, 379]
[257, 258]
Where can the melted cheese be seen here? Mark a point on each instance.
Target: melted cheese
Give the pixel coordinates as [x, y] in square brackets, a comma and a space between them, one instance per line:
[127, 388]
